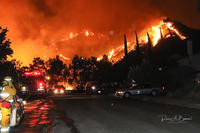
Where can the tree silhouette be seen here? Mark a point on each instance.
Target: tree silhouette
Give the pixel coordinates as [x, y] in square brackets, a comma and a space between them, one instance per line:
[149, 47]
[82, 69]
[138, 59]
[38, 64]
[103, 69]
[5, 49]
[125, 47]
[57, 69]
[6, 67]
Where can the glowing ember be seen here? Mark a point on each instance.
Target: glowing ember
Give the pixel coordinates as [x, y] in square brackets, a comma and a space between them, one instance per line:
[71, 35]
[99, 58]
[64, 57]
[86, 33]
[111, 54]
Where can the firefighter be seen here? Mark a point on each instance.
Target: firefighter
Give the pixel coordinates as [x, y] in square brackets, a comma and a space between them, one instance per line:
[6, 102]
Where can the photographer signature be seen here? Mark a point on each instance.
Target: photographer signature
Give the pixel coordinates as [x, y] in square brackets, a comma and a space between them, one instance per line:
[175, 118]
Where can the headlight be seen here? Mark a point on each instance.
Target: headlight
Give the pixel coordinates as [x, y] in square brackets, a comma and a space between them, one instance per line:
[120, 92]
[93, 87]
[24, 88]
[62, 91]
[55, 91]
[41, 87]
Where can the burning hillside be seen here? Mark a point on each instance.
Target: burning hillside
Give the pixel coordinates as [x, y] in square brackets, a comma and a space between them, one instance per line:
[156, 32]
[160, 31]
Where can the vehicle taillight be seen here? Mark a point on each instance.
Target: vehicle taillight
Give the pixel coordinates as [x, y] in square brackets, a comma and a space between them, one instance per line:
[41, 84]
[33, 73]
[163, 87]
[134, 85]
[36, 73]
[27, 73]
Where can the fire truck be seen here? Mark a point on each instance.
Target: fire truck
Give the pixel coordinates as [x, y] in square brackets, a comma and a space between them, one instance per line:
[34, 83]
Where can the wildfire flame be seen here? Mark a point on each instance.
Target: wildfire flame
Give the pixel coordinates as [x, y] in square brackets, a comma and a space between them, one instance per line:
[86, 33]
[65, 58]
[170, 26]
[72, 35]
[155, 35]
[155, 32]
[111, 54]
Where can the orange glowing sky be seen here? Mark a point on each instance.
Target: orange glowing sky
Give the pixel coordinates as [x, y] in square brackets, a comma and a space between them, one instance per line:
[47, 28]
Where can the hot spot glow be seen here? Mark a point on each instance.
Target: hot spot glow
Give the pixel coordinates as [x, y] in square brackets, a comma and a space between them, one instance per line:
[86, 33]
[170, 26]
[157, 36]
[111, 54]
[71, 35]
[65, 58]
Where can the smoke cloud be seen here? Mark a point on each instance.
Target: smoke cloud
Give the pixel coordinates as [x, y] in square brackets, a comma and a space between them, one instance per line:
[43, 27]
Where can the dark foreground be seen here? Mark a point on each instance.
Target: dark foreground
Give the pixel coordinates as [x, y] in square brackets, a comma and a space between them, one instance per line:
[92, 114]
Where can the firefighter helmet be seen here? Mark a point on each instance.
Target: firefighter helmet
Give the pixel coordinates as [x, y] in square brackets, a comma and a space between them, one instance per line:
[7, 78]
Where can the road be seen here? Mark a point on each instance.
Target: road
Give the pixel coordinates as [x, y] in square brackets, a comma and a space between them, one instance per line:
[100, 114]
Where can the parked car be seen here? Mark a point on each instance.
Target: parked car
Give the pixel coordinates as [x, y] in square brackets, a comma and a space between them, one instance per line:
[17, 113]
[146, 89]
[91, 88]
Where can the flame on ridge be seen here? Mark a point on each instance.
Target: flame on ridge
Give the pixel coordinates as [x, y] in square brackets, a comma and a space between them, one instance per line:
[72, 35]
[114, 54]
[65, 58]
[155, 35]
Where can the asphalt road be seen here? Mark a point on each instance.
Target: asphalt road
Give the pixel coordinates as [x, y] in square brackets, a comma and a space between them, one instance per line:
[100, 114]
[115, 115]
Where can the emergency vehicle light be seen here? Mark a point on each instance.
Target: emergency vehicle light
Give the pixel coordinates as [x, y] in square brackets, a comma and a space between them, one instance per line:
[34, 73]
